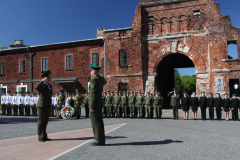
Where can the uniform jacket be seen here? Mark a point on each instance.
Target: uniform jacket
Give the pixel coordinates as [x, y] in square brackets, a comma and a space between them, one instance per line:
[210, 102]
[104, 99]
[203, 102]
[95, 92]
[3, 99]
[45, 95]
[116, 100]
[158, 101]
[139, 100]
[234, 103]
[8, 99]
[124, 100]
[185, 102]
[108, 99]
[148, 101]
[86, 101]
[61, 100]
[194, 102]
[131, 100]
[78, 100]
[226, 103]
[175, 100]
[14, 100]
[218, 102]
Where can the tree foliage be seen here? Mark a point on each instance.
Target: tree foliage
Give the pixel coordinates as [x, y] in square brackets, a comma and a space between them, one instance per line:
[184, 83]
[3, 47]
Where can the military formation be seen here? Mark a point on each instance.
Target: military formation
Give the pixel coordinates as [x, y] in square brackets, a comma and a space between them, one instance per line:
[16, 104]
[132, 105]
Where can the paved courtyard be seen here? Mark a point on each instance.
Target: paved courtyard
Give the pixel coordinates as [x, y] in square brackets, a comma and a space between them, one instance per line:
[125, 139]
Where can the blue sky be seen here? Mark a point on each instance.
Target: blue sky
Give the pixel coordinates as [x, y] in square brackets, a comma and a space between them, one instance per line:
[51, 21]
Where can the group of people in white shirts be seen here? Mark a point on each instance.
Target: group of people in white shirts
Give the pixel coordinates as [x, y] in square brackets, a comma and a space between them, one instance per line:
[21, 105]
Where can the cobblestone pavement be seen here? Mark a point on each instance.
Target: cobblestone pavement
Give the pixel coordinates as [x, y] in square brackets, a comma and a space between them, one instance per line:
[142, 138]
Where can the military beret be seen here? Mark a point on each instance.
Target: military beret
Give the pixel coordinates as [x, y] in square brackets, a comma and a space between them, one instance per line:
[210, 93]
[69, 93]
[46, 73]
[60, 90]
[218, 93]
[3, 92]
[142, 92]
[131, 91]
[20, 92]
[8, 91]
[174, 89]
[184, 92]
[93, 67]
[226, 94]
[193, 92]
[234, 95]
[73, 93]
[26, 92]
[111, 91]
[139, 92]
[116, 91]
[14, 92]
[86, 93]
[203, 92]
[147, 92]
[120, 92]
[33, 92]
[77, 90]
[158, 92]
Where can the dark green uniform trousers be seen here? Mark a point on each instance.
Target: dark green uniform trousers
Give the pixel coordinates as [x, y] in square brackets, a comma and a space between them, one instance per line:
[21, 111]
[98, 126]
[109, 109]
[27, 110]
[140, 110]
[148, 110]
[158, 111]
[132, 106]
[78, 111]
[175, 112]
[9, 109]
[15, 110]
[124, 110]
[43, 116]
[4, 109]
[34, 110]
[86, 111]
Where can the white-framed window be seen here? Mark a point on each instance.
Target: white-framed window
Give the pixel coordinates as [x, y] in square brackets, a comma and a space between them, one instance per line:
[22, 66]
[69, 62]
[196, 14]
[1, 68]
[44, 64]
[22, 88]
[2, 88]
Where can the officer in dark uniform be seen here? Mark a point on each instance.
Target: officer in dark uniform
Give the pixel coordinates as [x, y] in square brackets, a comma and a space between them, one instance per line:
[218, 106]
[226, 105]
[96, 105]
[194, 105]
[185, 103]
[175, 101]
[43, 105]
[210, 104]
[234, 107]
[203, 105]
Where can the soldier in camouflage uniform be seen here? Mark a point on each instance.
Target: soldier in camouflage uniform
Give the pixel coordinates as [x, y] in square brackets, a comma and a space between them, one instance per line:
[148, 105]
[158, 104]
[131, 103]
[108, 101]
[139, 102]
[78, 100]
[143, 108]
[124, 102]
[104, 105]
[116, 104]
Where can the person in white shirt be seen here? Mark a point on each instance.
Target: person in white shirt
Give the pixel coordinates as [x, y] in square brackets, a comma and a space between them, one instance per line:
[56, 103]
[14, 103]
[52, 107]
[27, 104]
[3, 101]
[20, 103]
[68, 100]
[8, 103]
[236, 89]
[33, 102]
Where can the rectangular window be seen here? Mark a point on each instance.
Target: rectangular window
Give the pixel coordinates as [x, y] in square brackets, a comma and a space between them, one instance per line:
[44, 64]
[69, 62]
[1, 68]
[123, 58]
[95, 59]
[196, 14]
[123, 87]
[22, 66]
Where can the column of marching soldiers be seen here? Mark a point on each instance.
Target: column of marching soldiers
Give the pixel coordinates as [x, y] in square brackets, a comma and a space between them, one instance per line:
[126, 104]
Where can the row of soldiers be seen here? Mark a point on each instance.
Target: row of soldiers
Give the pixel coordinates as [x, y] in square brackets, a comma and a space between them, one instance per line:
[19, 103]
[133, 104]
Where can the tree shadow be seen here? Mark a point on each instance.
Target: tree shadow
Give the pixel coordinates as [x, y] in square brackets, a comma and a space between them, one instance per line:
[87, 138]
[167, 141]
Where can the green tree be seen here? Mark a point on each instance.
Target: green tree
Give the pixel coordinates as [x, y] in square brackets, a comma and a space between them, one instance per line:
[3, 47]
[188, 83]
[177, 81]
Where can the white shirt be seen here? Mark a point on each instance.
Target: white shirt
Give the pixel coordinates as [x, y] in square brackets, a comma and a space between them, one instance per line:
[14, 100]
[66, 102]
[20, 100]
[27, 100]
[235, 86]
[3, 99]
[55, 100]
[33, 100]
[8, 99]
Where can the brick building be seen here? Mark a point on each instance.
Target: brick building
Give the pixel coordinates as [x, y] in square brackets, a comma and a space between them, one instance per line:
[165, 34]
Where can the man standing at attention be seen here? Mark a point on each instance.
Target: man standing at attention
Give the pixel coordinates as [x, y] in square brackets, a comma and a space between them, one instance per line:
[175, 101]
[96, 105]
[43, 105]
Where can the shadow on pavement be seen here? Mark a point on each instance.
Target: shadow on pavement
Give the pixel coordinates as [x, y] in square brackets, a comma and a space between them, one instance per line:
[167, 141]
[87, 138]
[21, 119]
